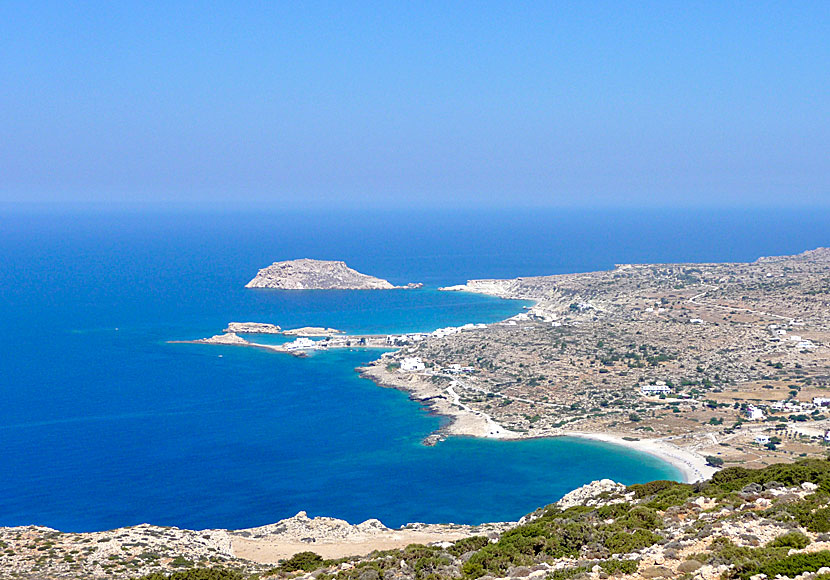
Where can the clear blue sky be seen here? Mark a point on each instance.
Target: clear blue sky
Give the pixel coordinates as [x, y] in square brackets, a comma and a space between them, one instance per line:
[401, 104]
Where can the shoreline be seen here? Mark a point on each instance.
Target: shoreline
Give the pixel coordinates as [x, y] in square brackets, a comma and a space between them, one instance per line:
[464, 422]
[692, 466]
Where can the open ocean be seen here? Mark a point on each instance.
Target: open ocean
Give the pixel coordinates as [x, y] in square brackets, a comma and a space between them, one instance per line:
[104, 424]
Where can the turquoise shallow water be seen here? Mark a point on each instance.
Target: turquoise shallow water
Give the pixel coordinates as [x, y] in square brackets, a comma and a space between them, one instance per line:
[104, 424]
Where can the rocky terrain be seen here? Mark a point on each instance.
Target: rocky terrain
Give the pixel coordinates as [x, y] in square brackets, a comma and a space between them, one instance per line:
[307, 274]
[741, 524]
[40, 552]
[252, 328]
[312, 331]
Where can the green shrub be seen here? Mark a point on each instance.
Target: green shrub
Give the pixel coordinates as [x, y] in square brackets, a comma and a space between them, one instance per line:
[794, 565]
[567, 573]
[468, 545]
[614, 567]
[641, 517]
[795, 540]
[178, 562]
[307, 561]
[734, 478]
[624, 542]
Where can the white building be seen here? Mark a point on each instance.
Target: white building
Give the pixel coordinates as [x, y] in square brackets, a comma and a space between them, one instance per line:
[301, 344]
[442, 332]
[412, 364]
[821, 401]
[761, 439]
[649, 390]
[457, 368]
[754, 413]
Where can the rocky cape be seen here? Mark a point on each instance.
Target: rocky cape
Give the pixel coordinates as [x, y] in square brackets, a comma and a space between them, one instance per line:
[308, 274]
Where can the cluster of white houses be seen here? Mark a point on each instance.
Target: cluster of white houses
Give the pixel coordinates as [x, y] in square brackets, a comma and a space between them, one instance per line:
[410, 337]
[778, 334]
[302, 344]
[756, 413]
[413, 364]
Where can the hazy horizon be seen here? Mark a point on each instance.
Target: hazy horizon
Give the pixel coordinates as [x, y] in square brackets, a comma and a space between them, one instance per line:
[412, 105]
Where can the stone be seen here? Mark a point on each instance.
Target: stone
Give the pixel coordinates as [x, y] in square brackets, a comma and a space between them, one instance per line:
[369, 574]
[588, 494]
[689, 566]
[655, 572]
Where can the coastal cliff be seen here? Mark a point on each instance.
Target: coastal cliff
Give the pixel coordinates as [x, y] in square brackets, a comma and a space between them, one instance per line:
[308, 274]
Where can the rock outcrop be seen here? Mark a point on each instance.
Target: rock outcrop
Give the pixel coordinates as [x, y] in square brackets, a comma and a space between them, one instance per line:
[603, 490]
[312, 331]
[307, 274]
[253, 328]
[319, 529]
[227, 338]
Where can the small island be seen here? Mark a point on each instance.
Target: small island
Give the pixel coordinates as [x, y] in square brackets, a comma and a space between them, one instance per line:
[253, 328]
[308, 274]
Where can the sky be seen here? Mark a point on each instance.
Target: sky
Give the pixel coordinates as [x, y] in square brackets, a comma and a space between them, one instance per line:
[415, 104]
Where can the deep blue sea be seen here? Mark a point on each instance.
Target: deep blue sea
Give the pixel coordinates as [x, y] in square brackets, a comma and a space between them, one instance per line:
[104, 424]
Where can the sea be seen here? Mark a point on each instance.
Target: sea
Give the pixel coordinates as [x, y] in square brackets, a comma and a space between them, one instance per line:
[104, 424]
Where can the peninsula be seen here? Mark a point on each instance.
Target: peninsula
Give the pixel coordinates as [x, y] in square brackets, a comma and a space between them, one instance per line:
[308, 274]
[700, 364]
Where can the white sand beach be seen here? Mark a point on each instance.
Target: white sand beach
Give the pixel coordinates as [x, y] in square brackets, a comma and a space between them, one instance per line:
[692, 465]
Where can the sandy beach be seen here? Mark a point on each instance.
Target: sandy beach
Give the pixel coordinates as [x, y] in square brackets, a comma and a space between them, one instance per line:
[692, 465]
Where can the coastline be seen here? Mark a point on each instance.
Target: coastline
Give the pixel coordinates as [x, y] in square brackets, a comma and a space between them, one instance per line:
[691, 465]
[465, 422]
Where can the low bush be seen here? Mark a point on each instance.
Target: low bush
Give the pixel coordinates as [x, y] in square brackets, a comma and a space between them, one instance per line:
[197, 574]
[306, 561]
[795, 540]
[615, 567]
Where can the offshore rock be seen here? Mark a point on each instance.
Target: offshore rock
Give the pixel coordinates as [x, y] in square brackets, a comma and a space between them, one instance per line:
[307, 274]
[312, 331]
[227, 338]
[252, 328]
